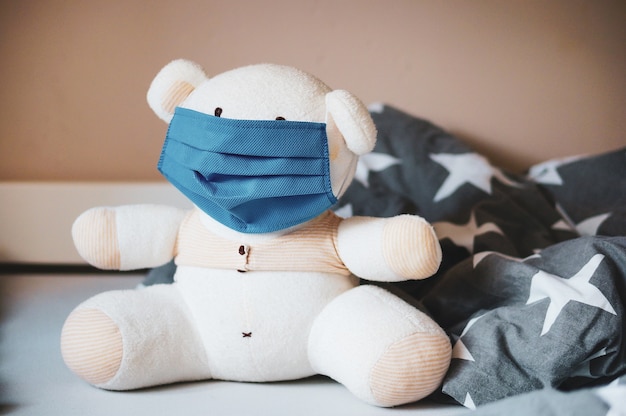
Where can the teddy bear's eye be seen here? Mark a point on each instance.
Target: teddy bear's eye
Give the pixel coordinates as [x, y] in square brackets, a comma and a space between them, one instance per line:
[218, 111]
[280, 118]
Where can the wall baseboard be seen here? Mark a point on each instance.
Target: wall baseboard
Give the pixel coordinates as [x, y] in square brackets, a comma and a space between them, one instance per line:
[36, 217]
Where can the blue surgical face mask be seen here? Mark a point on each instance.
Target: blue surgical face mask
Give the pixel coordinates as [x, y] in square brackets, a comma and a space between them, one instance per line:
[254, 176]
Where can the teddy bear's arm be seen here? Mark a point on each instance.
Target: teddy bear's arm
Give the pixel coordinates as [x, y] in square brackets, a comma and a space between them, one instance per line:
[127, 237]
[404, 247]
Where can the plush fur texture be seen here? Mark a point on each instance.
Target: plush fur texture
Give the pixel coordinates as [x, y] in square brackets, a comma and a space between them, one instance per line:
[260, 307]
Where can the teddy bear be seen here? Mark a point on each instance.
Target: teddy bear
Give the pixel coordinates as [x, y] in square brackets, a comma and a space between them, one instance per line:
[267, 283]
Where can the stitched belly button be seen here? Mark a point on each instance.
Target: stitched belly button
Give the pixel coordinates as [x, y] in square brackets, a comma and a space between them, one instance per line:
[247, 334]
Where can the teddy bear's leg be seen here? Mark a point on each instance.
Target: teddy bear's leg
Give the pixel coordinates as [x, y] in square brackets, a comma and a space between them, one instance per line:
[382, 349]
[124, 340]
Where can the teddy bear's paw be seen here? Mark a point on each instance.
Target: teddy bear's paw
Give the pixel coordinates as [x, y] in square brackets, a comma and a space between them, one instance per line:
[91, 344]
[95, 236]
[410, 369]
[411, 247]
[384, 350]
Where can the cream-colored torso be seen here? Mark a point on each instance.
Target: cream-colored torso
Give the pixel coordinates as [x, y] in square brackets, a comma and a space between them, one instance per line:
[248, 324]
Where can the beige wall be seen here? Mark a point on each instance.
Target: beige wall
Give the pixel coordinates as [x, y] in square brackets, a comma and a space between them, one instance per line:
[522, 80]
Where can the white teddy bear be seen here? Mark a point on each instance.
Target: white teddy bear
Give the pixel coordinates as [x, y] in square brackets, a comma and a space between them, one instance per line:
[266, 284]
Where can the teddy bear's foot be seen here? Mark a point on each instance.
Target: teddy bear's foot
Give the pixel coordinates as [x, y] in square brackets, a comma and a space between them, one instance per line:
[410, 369]
[382, 349]
[125, 340]
[91, 344]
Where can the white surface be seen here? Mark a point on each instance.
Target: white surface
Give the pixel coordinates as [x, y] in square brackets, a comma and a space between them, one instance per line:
[36, 217]
[35, 381]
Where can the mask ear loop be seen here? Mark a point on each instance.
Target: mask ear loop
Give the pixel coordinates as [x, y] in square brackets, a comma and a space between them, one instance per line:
[348, 179]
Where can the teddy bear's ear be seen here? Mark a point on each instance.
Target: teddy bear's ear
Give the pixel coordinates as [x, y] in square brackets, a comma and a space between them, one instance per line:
[172, 86]
[352, 119]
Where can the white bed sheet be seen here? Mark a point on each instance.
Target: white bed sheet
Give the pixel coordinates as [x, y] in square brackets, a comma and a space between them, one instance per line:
[35, 381]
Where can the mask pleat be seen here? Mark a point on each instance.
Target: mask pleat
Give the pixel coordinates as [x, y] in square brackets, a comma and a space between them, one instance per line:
[271, 138]
[238, 165]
